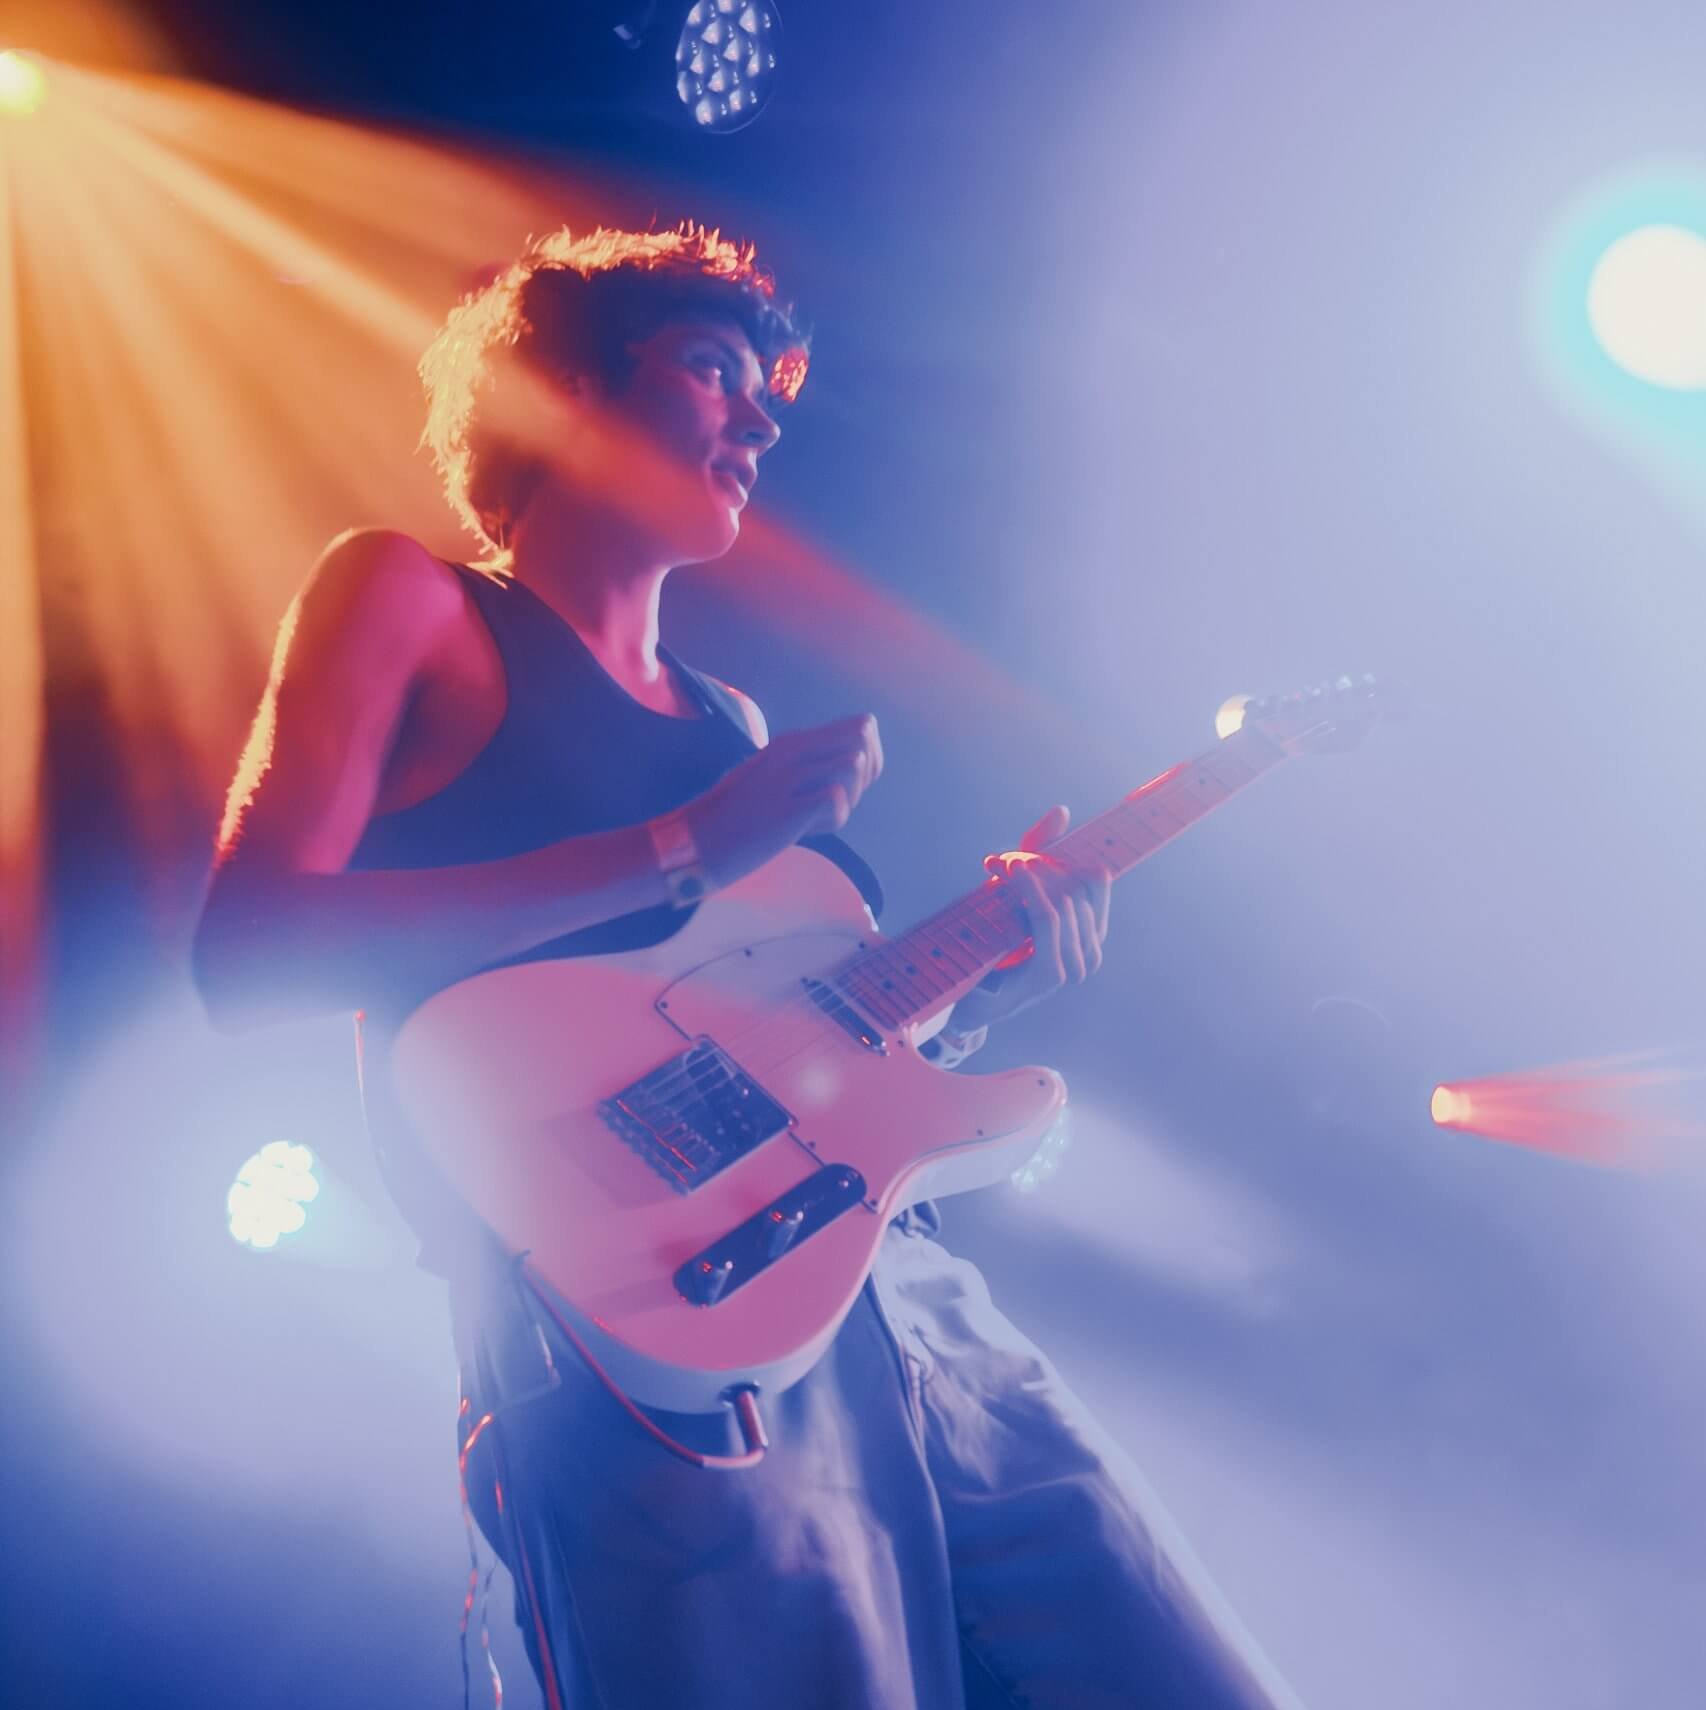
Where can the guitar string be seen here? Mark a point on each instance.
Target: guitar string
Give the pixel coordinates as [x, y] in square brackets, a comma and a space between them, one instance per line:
[817, 1026]
[972, 907]
[812, 1013]
[815, 1017]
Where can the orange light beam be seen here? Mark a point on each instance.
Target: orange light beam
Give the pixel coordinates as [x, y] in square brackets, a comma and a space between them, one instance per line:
[386, 315]
[22, 685]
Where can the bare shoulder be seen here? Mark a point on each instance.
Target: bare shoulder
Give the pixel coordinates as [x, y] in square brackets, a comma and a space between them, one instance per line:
[364, 632]
[386, 578]
[756, 726]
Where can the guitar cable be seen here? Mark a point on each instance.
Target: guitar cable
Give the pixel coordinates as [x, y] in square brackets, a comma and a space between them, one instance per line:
[479, 1584]
[742, 1398]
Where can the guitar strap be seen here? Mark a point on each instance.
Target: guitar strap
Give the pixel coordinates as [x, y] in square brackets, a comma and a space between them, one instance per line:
[714, 698]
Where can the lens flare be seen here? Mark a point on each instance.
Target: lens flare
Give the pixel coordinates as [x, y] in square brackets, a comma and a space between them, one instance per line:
[23, 84]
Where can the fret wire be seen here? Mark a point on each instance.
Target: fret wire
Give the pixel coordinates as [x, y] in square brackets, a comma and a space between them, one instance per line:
[1094, 837]
[1231, 771]
[895, 1007]
[1141, 837]
[1241, 748]
[1116, 835]
[873, 991]
[883, 1009]
[914, 988]
[1200, 780]
[858, 991]
[920, 963]
[1157, 812]
[971, 933]
[931, 967]
[894, 982]
[871, 998]
[939, 953]
[949, 946]
[952, 951]
[906, 994]
[1004, 922]
[1107, 843]
[1227, 758]
[1012, 929]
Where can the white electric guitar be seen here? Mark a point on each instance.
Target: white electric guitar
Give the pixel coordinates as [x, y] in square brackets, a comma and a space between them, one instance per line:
[699, 1145]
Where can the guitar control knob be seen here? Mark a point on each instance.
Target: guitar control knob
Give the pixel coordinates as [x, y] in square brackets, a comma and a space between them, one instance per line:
[711, 1280]
[784, 1226]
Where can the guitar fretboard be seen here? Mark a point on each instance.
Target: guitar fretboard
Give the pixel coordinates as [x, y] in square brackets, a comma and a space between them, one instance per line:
[911, 976]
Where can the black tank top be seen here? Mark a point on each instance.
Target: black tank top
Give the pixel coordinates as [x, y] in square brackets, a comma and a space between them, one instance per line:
[574, 753]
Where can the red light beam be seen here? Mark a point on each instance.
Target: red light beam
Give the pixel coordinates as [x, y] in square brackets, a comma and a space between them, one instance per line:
[1623, 1112]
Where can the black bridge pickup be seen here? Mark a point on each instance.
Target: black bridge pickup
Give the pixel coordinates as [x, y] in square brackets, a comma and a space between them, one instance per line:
[756, 1244]
[695, 1115]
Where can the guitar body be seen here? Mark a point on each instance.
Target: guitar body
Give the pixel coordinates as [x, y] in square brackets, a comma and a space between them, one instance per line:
[713, 1225]
[699, 1145]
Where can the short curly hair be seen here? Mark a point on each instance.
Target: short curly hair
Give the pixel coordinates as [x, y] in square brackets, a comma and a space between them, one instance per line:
[574, 305]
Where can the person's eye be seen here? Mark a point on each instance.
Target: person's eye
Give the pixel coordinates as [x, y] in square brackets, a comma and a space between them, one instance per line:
[710, 362]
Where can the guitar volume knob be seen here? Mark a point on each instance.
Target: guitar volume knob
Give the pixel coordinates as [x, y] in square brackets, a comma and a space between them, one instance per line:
[784, 1226]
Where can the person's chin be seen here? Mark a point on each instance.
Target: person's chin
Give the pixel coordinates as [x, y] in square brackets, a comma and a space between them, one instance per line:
[712, 542]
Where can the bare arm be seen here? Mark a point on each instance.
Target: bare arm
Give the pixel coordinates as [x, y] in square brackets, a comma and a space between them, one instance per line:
[283, 943]
[288, 931]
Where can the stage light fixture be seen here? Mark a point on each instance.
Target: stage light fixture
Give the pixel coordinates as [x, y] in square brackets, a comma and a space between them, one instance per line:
[269, 1196]
[1647, 305]
[1229, 717]
[23, 84]
[1449, 1107]
[725, 61]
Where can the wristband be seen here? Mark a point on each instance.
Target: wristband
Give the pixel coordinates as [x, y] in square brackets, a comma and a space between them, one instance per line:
[679, 862]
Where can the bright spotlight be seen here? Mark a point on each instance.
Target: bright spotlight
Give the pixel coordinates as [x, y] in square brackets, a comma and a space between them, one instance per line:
[1449, 1107]
[725, 61]
[23, 85]
[1647, 305]
[1230, 718]
[267, 1199]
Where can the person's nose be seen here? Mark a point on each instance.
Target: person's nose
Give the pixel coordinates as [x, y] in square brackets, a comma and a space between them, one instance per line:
[750, 424]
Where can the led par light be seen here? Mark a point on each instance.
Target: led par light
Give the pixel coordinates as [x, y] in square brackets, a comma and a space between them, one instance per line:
[725, 61]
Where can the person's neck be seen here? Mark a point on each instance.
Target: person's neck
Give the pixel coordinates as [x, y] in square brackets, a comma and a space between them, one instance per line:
[604, 586]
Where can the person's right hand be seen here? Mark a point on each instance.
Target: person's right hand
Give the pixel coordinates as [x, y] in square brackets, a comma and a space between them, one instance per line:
[805, 781]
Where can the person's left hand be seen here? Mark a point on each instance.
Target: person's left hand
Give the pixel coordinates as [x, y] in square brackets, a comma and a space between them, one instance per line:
[1068, 912]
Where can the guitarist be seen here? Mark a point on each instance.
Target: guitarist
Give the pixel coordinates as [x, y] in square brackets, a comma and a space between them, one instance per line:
[458, 766]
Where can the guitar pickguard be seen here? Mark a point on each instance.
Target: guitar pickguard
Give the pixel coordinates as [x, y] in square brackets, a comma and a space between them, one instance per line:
[508, 1081]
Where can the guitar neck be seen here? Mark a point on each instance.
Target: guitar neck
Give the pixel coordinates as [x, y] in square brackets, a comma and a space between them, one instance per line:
[905, 978]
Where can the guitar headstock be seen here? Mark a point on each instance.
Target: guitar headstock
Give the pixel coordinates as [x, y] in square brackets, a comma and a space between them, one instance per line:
[1326, 718]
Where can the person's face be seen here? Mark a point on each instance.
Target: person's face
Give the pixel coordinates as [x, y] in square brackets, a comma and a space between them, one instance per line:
[688, 426]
